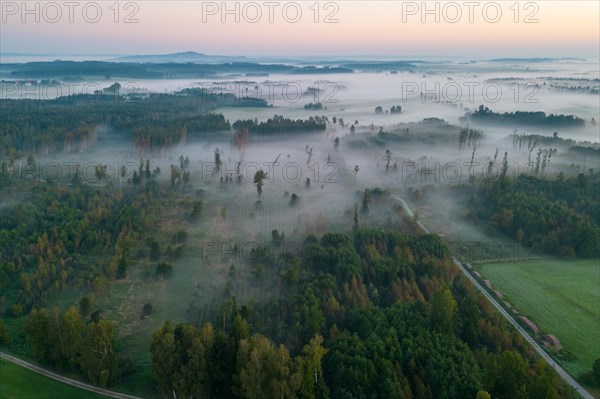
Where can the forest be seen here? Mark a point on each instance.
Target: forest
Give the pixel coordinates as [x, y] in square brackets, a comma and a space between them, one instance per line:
[556, 216]
[152, 122]
[371, 314]
[34, 126]
[368, 314]
[106, 275]
[69, 236]
[484, 114]
[280, 124]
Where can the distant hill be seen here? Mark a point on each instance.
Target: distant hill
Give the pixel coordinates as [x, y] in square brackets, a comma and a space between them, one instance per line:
[534, 59]
[183, 57]
[380, 65]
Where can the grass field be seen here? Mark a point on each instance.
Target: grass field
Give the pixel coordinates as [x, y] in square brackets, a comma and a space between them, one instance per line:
[19, 383]
[562, 297]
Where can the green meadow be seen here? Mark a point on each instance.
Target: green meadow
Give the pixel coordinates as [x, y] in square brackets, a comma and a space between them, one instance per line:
[562, 297]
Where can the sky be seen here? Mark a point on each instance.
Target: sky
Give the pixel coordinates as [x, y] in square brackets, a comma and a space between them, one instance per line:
[477, 29]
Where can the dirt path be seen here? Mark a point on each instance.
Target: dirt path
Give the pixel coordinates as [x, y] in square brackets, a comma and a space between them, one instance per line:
[65, 380]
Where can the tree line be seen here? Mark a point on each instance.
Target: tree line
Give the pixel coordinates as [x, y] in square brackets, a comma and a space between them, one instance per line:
[280, 124]
[44, 126]
[556, 216]
[484, 114]
[65, 341]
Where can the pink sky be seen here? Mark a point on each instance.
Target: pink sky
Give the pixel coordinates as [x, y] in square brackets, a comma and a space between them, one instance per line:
[541, 28]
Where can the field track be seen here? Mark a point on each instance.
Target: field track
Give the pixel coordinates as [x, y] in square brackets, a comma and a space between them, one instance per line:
[65, 380]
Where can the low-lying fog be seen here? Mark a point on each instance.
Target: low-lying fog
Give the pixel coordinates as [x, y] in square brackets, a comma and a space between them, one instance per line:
[442, 90]
[435, 161]
[425, 154]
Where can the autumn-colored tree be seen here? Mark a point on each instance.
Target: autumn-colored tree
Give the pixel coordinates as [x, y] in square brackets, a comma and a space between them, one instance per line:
[483, 395]
[266, 371]
[65, 332]
[98, 353]
[355, 293]
[443, 307]
[313, 384]
[164, 364]
[240, 328]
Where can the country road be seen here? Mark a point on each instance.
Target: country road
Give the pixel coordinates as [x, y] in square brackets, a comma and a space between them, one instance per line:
[559, 370]
[65, 380]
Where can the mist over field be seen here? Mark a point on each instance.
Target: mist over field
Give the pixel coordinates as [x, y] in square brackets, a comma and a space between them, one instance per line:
[429, 154]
